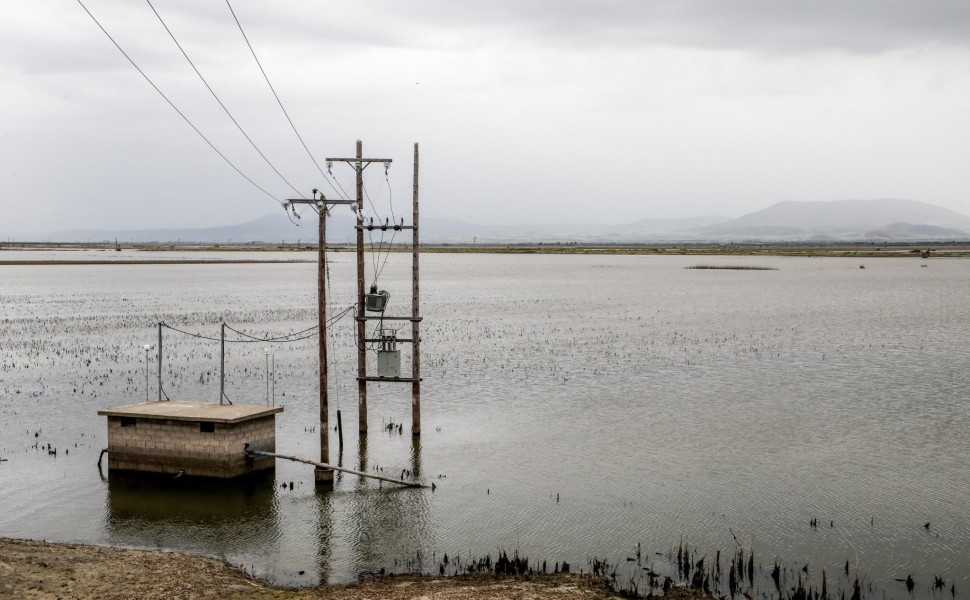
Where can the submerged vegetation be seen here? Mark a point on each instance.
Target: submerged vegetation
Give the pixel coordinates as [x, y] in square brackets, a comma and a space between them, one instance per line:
[739, 575]
[734, 267]
[685, 572]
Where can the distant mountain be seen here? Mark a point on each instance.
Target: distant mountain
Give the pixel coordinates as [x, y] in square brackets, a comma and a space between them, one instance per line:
[449, 230]
[277, 228]
[846, 219]
[649, 224]
[842, 220]
[905, 231]
[271, 228]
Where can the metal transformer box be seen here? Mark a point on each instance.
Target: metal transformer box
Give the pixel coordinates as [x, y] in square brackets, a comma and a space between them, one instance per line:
[388, 363]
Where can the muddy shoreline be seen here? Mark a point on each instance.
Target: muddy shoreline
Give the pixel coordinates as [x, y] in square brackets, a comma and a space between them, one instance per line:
[36, 569]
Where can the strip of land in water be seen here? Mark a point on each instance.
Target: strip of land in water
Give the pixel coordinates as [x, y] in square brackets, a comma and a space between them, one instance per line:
[128, 256]
[32, 569]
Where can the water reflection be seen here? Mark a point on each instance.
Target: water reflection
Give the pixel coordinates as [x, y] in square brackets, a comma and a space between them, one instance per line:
[186, 500]
[389, 526]
[237, 517]
[361, 525]
[362, 455]
[325, 534]
[416, 457]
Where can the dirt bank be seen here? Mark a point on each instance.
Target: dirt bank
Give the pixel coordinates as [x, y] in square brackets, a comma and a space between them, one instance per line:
[30, 569]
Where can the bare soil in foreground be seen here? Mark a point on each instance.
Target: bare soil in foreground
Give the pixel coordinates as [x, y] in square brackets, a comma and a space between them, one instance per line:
[31, 569]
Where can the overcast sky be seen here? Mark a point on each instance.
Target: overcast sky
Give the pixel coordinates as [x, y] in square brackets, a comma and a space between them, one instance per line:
[526, 110]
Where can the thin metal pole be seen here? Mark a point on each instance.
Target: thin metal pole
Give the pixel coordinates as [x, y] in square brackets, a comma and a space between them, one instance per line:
[323, 474]
[361, 327]
[222, 362]
[147, 348]
[266, 354]
[340, 430]
[415, 312]
[159, 361]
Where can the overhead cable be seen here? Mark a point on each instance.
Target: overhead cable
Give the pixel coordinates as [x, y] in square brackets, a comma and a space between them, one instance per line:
[214, 95]
[170, 103]
[333, 339]
[380, 245]
[290, 337]
[390, 203]
[252, 340]
[282, 338]
[280, 102]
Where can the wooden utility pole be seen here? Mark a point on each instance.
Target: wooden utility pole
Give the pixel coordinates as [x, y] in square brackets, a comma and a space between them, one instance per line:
[324, 471]
[360, 163]
[320, 474]
[415, 312]
[361, 324]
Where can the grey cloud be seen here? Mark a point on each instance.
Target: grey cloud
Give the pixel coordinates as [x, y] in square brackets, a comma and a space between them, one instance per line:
[777, 26]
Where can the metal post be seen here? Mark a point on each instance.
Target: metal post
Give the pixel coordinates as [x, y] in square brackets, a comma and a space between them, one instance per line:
[147, 348]
[159, 361]
[320, 474]
[415, 312]
[266, 372]
[222, 362]
[361, 325]
[340, 430]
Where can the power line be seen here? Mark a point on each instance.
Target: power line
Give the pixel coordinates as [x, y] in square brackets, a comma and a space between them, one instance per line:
[170, 103]
[290, 337]
[189, 333]
[386, 254]
[280, 102]
[370, 232]
[335, 180]
[370, 238]
[390, 203]
[282, 338]
[390, 195]
[333, 338]
[214, 95]
[252, 339]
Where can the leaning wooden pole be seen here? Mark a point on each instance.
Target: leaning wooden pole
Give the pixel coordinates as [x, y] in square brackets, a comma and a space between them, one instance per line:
[331, 468]
[322, 474]
[415, 313]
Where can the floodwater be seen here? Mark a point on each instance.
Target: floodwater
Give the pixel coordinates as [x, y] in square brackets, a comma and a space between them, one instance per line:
[573, 406]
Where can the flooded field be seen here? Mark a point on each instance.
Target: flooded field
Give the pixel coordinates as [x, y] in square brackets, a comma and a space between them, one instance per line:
[573, 407]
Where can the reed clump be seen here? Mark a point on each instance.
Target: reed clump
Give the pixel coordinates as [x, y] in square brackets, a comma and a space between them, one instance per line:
[684, 572]
[734, 267]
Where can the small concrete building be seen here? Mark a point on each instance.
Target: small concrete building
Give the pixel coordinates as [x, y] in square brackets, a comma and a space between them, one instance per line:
[199, 439]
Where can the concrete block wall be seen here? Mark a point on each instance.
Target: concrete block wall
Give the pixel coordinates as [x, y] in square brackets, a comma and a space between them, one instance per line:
[169, 446]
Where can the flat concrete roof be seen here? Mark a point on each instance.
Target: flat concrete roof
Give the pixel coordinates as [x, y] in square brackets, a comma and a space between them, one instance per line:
[178, 410]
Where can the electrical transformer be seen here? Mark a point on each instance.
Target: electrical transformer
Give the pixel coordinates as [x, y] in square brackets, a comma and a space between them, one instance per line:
[388, 357]
[375, 301]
